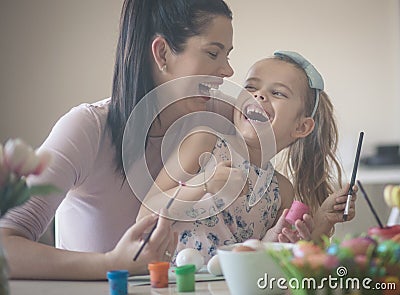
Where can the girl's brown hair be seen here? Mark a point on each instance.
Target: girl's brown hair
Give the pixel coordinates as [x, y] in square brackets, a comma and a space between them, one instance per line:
[311, 162]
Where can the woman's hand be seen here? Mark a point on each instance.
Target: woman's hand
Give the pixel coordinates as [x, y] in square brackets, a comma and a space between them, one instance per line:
[283, 232]
[331, 211]
[160, 247]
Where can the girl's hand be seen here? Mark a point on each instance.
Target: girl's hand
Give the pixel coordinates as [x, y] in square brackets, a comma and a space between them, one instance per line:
[331, 210]
[160, 247]
[283, 232]
[302, 230]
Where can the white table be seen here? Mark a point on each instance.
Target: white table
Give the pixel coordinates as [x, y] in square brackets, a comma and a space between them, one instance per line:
[33, 287]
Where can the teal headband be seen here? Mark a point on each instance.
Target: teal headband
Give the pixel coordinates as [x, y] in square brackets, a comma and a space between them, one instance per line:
[314, 78]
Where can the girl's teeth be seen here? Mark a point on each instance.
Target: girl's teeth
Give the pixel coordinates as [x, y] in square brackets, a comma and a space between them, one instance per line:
[255, 114]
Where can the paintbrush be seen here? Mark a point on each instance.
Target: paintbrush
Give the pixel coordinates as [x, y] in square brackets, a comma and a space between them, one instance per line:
[353, 177]
[146, 240]
[370, 204]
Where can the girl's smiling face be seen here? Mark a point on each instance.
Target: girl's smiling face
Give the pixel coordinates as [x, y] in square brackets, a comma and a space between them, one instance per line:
[279, 89]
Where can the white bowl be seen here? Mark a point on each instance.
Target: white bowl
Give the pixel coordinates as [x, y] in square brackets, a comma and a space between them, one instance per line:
[251, 272]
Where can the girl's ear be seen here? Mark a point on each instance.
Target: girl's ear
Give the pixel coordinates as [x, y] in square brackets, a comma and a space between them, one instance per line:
[159, 49]
[305, 127]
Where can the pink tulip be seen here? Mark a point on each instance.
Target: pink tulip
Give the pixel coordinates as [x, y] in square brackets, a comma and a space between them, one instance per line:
[3, 167]
[30, 164]
[20, 157]
[44, 161]
[17, 161]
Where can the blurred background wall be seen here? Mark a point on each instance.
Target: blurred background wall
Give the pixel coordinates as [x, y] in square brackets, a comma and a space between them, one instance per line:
[55, 54]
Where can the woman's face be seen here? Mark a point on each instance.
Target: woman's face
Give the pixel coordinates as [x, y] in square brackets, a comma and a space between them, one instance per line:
[205, 54]
[279, 89]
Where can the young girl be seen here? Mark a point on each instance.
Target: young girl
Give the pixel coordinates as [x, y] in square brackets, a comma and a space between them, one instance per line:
[289, 109]
[309, 160]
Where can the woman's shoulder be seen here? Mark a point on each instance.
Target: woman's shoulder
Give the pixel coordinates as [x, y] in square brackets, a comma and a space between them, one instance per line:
[81, 128]
[85, 116]
[96, 110]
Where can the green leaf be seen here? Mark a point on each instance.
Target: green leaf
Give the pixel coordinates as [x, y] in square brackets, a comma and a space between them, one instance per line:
[17, 193]
[6, 193]
[5, 196]
[43, 189]
[21, 198]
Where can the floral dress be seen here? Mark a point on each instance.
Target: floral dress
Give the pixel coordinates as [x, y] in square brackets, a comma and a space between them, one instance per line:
[247, 217]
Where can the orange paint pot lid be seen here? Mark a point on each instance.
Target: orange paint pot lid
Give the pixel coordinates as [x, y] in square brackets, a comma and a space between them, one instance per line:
[162, 265]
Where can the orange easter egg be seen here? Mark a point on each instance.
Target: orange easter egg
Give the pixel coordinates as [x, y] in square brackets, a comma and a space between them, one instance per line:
[304, 248]
[396, 238]
[322, 260]
[316, 261]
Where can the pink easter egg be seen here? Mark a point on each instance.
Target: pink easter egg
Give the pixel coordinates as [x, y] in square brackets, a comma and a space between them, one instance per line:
[359, 245]
[296, 211]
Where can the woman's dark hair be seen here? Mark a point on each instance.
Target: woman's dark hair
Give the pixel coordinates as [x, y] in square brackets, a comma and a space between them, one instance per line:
[141, 21]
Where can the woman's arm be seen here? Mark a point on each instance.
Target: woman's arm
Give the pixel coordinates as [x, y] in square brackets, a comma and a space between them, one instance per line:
[32, 260]
[73, 143]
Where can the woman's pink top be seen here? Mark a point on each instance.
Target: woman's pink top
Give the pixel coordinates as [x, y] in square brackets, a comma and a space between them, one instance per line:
[95, 206]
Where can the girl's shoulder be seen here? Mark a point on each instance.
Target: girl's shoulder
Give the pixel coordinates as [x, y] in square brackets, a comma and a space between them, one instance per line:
[201, 138]
[285, 189]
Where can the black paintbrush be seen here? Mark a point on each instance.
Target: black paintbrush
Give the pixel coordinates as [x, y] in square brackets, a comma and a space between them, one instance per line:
[370, 204]
[146, 240]
[353, 177]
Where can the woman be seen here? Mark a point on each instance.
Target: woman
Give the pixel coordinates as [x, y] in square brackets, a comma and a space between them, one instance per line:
[159, 40]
